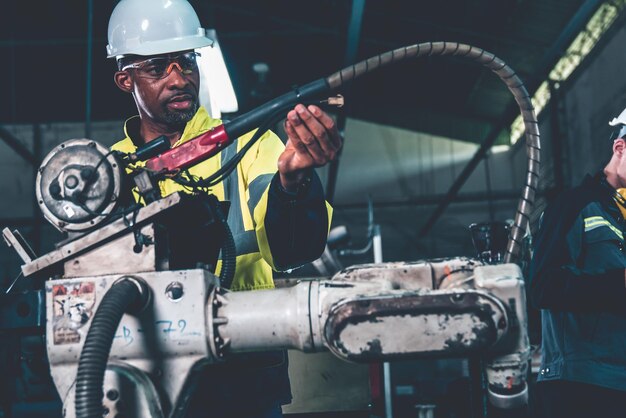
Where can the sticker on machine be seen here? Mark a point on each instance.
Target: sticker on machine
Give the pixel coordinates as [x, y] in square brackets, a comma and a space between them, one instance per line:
[72, 308]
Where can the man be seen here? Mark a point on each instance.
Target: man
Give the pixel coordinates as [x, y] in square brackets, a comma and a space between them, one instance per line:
[278, 215]
[578, 280]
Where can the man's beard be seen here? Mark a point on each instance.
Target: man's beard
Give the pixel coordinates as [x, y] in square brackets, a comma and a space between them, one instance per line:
[180, 117]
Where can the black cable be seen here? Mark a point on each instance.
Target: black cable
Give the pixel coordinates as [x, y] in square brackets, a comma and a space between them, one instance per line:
[231, 164]
[229, 251]
[80, 198]
[89, 181]
[95, 353]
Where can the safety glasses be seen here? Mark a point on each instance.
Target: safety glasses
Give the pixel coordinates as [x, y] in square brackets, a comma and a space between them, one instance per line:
[618, 132]
[160, 67]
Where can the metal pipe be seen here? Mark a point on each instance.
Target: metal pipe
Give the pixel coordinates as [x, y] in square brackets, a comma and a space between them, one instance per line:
[89, 69]
[354, 34]
[387, 387]
[492, 212]
[282, 325]
[555, 137]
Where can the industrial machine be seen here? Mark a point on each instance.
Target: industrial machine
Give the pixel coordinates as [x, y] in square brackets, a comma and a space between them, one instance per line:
[133, 314]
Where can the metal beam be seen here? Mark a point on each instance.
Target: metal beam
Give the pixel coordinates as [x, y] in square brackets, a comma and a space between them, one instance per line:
[352, 47]
[17, 146]
[575, 25]
[556, 136]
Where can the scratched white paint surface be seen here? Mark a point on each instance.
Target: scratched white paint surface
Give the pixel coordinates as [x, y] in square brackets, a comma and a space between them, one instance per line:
[401, 334]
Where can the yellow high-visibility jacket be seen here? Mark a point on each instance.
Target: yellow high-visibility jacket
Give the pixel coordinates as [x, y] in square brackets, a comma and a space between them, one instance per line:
[248, 190]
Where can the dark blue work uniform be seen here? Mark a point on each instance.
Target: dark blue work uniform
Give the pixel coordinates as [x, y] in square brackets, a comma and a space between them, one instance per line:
[577, 279]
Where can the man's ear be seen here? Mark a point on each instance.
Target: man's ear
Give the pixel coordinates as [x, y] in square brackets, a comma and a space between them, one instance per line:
[123, 81]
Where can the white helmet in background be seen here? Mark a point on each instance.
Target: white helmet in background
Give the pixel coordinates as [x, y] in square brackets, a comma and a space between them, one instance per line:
[153, 27]
[620, 126]
[620, 120]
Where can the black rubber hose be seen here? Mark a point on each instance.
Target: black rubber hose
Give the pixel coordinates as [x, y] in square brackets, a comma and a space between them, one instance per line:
[95, 354]
[252, 119]
[229, 252]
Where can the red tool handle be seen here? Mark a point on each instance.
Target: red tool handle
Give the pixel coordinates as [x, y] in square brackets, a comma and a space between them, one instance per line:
[191, 152]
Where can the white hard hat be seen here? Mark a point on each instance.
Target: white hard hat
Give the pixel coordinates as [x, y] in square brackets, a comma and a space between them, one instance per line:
[152, 27]
[620, 120]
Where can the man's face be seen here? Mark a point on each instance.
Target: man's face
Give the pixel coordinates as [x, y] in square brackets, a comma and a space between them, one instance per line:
[619, 149]
[165, 87]
[615, 170]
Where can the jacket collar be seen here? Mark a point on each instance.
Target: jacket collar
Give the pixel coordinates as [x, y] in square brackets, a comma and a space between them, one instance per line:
[200, 123]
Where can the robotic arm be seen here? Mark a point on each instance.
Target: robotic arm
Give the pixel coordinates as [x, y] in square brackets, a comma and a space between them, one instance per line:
[129, 317]
[379, 312]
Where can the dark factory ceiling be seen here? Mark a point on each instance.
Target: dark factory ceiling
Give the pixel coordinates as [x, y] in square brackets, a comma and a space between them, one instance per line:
[44, 51]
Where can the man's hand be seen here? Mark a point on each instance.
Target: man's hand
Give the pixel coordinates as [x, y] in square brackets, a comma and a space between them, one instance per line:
[313, 141]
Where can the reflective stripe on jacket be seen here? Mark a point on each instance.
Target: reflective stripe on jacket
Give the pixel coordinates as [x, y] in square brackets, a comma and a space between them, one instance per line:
[577, 278]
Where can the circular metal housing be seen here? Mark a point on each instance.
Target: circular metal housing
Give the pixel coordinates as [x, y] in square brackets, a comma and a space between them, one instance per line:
[78, 185]
[509, 401]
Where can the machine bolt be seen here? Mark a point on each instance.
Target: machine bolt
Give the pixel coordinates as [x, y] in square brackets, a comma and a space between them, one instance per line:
[458, 297]
[112, 394]
[71, 182]
[55, 190]
[174, 291]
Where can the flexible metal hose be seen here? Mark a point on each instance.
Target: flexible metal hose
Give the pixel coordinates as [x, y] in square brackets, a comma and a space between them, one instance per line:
[93, 358]
[335, 81]
[515, 86]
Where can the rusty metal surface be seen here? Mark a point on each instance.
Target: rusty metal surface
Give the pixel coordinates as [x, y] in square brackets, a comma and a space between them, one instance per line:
[98, 237]
[159, 349]
[420, 325]
[507, 372]
[78, 185]
[412, 275]
[115, 257]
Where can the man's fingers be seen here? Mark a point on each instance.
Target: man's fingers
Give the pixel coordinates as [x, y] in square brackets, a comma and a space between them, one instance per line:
[329, 125]
[328, 139]
[307, 137]
[305, 146]
[294, 138]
